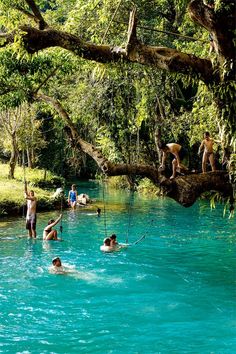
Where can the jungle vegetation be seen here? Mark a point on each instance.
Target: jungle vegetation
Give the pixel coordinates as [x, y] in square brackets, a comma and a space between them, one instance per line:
[89, 85]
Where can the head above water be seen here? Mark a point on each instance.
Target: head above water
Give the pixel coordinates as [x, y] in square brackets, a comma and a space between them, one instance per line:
[107, 241]
[113, 237]
[56, 262]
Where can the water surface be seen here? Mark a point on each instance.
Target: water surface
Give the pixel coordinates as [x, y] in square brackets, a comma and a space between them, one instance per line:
[174, 292]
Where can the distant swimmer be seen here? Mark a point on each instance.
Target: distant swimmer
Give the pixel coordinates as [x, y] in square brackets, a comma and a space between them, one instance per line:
[31, 212]
[99, 212]
[67, 269]
[73, 196]
[106, 247]
[48, 233]
[57, 266]
[110, 245]
[113, 240]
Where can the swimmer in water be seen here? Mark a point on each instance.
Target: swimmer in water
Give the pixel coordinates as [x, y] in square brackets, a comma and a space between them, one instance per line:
[48, 233]
[113, 240]
[110, 245]
[57, 266]
[106, 247]
[99, 212]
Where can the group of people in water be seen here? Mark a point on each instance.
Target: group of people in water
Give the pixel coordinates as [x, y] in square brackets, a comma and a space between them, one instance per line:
[110, 244]
[31, 217]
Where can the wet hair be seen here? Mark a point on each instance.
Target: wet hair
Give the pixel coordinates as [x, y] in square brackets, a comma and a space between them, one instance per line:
[51, 221]
[113, 237]
[107, 241]
[55, 259]
[207, 134]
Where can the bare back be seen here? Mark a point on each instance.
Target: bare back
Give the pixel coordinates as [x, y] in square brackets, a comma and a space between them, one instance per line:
[174, 148]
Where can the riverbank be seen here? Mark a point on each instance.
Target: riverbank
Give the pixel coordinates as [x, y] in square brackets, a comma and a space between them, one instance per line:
[12, 200]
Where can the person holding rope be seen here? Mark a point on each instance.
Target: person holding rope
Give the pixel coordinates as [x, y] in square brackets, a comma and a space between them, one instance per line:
[48, 233]
[31, 212]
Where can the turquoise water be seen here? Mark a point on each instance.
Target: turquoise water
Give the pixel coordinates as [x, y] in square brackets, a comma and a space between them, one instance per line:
[174, 292]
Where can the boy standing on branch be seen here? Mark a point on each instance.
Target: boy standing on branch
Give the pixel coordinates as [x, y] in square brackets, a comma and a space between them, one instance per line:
[207, 144]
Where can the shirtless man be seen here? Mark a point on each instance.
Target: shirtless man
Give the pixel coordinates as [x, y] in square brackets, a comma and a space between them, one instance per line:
[31, 212]
[179, 153]
[207, 144]
[113, 242]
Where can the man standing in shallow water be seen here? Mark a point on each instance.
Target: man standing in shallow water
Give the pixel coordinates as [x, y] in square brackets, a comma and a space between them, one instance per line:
[207, 144]
[31, 212]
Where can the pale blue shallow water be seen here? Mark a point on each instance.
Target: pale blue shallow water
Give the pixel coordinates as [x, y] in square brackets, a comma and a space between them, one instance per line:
[174, 292]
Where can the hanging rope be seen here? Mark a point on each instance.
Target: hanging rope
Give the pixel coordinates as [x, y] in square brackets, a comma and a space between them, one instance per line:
[24, 181]
[104, 206]
[109, 25]
[131, 202]
[144, 235]
[62, 187]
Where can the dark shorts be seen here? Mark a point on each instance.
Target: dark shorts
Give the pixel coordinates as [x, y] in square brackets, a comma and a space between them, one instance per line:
[31, 223]
[183, 153]
[184, 156]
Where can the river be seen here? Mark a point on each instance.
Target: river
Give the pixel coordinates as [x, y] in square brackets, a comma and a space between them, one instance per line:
[173, 292]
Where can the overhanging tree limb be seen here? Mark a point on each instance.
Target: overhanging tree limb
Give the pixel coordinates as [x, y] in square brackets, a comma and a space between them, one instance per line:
[185, 189]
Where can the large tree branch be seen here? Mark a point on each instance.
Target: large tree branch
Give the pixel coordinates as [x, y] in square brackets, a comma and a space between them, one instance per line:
[185, 190]
[160, 57]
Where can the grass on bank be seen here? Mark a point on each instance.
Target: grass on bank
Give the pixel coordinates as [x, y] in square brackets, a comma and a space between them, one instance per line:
[12, 198]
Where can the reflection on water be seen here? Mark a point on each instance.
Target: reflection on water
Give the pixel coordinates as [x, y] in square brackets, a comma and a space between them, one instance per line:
[174, 292]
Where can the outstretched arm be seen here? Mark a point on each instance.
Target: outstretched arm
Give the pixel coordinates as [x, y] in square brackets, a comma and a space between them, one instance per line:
[48, 227]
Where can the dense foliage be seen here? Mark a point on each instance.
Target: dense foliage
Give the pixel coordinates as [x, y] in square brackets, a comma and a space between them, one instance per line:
[124, 109]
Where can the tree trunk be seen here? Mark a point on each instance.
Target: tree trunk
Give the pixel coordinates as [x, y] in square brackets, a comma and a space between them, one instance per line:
[14, 156]
[29, 157]
[184, 189]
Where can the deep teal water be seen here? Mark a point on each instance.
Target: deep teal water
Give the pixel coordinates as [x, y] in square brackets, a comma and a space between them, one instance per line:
[174, 292]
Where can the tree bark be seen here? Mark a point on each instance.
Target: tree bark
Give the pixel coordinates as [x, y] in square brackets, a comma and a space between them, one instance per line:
[184, 189]
[14, 156]
[168, 59]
